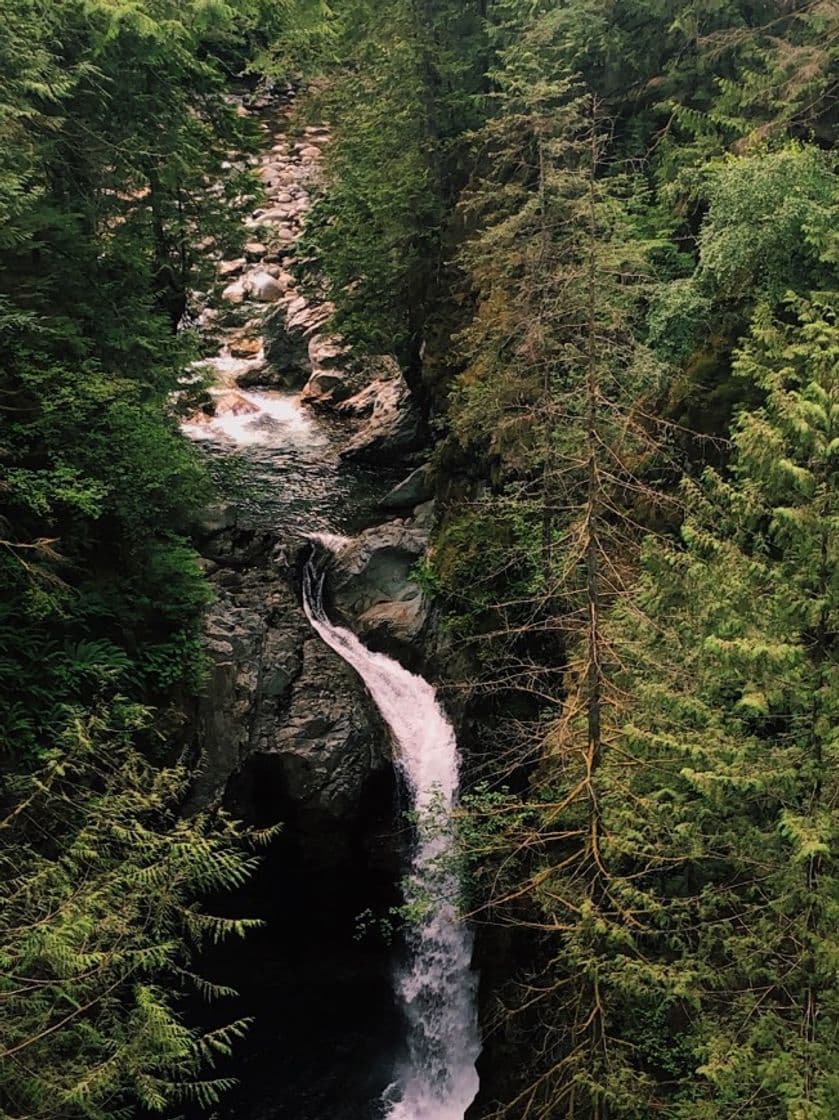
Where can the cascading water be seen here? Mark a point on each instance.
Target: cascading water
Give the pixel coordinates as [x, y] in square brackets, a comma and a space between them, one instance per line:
[436, 988]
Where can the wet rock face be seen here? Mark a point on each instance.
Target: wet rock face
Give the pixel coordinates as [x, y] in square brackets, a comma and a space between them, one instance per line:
[281, 706]
[392, 423]
[376, 566]
[285, 732]
[287, 352]
[370, 584]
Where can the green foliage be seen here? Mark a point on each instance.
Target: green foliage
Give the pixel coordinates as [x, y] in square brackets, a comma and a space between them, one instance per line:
[582, 224]
[117, 155]
[731, 726]
[98, 925]
[662, 837]
[708, 935]
[398, 88]
[767, 215]
[114, 122]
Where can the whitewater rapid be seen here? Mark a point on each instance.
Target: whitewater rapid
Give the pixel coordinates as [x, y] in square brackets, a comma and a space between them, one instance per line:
[436, 988]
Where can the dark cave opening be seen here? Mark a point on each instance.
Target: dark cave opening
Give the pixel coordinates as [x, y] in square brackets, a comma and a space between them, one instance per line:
[316, 980]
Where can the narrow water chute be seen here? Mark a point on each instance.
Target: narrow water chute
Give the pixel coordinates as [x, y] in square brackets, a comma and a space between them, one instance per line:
[436, 987]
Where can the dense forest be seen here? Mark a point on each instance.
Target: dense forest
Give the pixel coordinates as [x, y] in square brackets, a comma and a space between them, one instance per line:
[600, 239]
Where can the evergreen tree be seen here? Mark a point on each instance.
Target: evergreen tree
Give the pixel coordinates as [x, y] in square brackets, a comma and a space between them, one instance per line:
[114, 122]
[400, 79]
[559, 402]
[723, 800]
[556, 393]
[100, 889]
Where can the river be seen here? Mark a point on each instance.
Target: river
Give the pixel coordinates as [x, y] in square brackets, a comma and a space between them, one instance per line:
[278, 466]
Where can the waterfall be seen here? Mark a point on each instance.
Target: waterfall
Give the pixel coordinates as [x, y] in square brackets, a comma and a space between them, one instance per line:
[436, 987]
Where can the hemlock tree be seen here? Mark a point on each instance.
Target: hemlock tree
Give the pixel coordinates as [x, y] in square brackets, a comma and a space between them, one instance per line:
[722, 804]
[400, 86]
[692, 956]
[101, 883]
[606, 857]
[556, 395]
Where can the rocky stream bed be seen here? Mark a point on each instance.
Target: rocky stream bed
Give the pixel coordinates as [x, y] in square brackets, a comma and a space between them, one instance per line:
[307, 440]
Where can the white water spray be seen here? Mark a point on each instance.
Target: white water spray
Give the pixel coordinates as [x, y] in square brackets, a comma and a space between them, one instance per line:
[437, 988]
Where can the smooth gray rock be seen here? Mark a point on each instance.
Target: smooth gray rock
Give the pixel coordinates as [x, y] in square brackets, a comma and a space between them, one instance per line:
[417, 488]
[263, 287]
[392, 427]
[281, 710]
[370, 584]
[375, 567]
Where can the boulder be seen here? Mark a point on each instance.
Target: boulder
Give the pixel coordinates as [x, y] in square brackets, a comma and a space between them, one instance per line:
[264, 287]
[277, 215]
[244, 346]
[370, 584]
[417, 488]
[307, 317]
[326, 352]
[235, 293]
[361, 404]
[375, 567]
[398, 627]
[392, 425]
[254, 250]
[231, 268]
[325, 387]
[232, 403]
[286, 280]
[257, 375]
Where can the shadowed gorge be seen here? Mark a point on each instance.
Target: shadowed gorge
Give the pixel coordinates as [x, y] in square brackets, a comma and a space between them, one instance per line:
[419, 567]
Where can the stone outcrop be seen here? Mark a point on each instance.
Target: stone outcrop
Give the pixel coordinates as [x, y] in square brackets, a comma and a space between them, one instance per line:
[279, 704]
[244, 345]
[413, 491]
[392, 423]
[370, 584]
[325, 388]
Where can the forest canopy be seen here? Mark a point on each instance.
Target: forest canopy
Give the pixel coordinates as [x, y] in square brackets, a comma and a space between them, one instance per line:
[601, 240]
